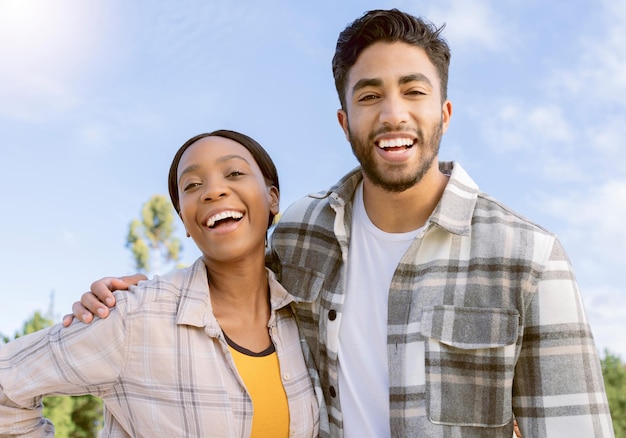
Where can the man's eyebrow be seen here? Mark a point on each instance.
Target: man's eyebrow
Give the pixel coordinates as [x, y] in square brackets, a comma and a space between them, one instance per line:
[194, 167]
[415, 77]
[362, 83]
[375, 82]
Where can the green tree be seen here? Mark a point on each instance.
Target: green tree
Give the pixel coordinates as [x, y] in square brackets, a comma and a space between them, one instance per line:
[73, 417]
[86, 416]
[614, 373]
[152, 238]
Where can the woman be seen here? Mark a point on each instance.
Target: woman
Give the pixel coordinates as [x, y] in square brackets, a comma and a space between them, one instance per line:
[210, 350]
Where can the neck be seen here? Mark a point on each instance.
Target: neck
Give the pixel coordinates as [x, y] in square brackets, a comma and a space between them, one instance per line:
[240, 287]
[239, 300]
[401, 212]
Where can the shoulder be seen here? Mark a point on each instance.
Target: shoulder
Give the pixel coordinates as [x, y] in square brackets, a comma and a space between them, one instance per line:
[161, 290]
[490, 210]
[499, 230]
[308, 207]
[494, 228]
[321, 207]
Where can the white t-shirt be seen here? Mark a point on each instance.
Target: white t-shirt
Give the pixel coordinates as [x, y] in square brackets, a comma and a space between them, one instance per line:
[363, 370]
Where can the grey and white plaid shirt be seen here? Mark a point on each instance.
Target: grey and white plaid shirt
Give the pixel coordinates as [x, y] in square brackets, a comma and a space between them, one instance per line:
[489, 296]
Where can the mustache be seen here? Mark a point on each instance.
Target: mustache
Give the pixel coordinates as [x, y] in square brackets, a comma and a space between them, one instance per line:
[395, 129]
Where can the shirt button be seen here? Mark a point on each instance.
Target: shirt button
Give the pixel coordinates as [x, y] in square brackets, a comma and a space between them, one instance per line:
[333, 393]
[332, 314]
[274, 330]
[286, 376]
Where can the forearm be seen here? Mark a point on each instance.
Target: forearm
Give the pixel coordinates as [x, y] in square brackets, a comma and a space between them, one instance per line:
[55, 361]
[24, 422]
[22, 416]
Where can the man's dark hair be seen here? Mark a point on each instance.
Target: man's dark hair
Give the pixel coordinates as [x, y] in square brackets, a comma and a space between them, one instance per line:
[389, 26]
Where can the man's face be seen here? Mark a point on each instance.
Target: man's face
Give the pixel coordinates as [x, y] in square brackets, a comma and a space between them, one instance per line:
[394, 117]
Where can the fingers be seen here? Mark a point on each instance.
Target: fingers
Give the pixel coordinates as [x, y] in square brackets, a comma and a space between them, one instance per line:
[133, 279]
[102, 291]
[100, 298]
[67, 319]
[81, 312]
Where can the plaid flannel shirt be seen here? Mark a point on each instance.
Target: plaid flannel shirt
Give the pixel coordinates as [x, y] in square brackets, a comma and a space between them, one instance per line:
[489, 297]
[161, 364]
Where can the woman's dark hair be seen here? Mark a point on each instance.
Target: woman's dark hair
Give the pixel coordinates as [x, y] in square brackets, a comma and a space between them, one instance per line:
[259, 154]
[389, 26]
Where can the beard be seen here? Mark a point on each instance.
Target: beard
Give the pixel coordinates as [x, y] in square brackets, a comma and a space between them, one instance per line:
[390, 177]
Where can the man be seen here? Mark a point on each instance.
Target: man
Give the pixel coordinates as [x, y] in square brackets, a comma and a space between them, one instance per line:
[431, 309]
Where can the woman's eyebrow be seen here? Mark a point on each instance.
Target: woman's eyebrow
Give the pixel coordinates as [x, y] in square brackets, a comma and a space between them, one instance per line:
[188, 169]
[231, 157]
[194, 167]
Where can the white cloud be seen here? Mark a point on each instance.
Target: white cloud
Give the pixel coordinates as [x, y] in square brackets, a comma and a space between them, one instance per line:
[515, 125]
[470, 24]
[33, 96]
[605, 311]
[594, 235]
[606, 139]
[594, 221]
[599, 75]
[574, 131]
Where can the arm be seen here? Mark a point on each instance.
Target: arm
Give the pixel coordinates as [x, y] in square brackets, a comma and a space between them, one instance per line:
[558, 385]
[100, 298]
[56, 361]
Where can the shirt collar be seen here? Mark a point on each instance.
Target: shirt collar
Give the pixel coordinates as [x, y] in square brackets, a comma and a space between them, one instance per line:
[456, 207]
[195, 309]
[453, 212]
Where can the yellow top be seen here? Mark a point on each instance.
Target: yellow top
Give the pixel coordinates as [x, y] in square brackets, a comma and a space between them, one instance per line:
[261, 375]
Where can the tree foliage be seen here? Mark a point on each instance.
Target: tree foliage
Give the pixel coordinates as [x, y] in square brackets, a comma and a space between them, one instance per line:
[614, 373]
[151, 238]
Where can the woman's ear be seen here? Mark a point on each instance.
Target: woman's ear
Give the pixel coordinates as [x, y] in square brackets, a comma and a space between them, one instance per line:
[181, 219]
[274, 200]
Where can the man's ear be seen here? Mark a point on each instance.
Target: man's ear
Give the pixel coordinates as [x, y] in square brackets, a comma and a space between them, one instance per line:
[446, 114]
[342, 118]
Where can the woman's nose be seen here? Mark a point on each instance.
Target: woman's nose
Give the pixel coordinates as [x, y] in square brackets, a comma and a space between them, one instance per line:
[214, 190]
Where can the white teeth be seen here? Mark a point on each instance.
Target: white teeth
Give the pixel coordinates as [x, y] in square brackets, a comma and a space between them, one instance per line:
[223, 215]
[395, 143]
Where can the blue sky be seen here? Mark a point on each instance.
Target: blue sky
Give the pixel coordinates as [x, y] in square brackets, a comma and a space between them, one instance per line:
[96, 97]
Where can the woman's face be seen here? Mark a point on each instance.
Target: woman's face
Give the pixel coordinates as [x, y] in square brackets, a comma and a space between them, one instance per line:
[224, 200]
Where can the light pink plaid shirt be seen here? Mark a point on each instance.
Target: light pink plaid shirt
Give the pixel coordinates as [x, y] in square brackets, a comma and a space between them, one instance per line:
[160, 363]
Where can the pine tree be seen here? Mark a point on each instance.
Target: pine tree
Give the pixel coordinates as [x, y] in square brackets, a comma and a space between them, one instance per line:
[152, 237]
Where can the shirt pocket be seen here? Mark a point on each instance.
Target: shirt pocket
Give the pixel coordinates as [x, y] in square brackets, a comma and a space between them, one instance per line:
[470, 362]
